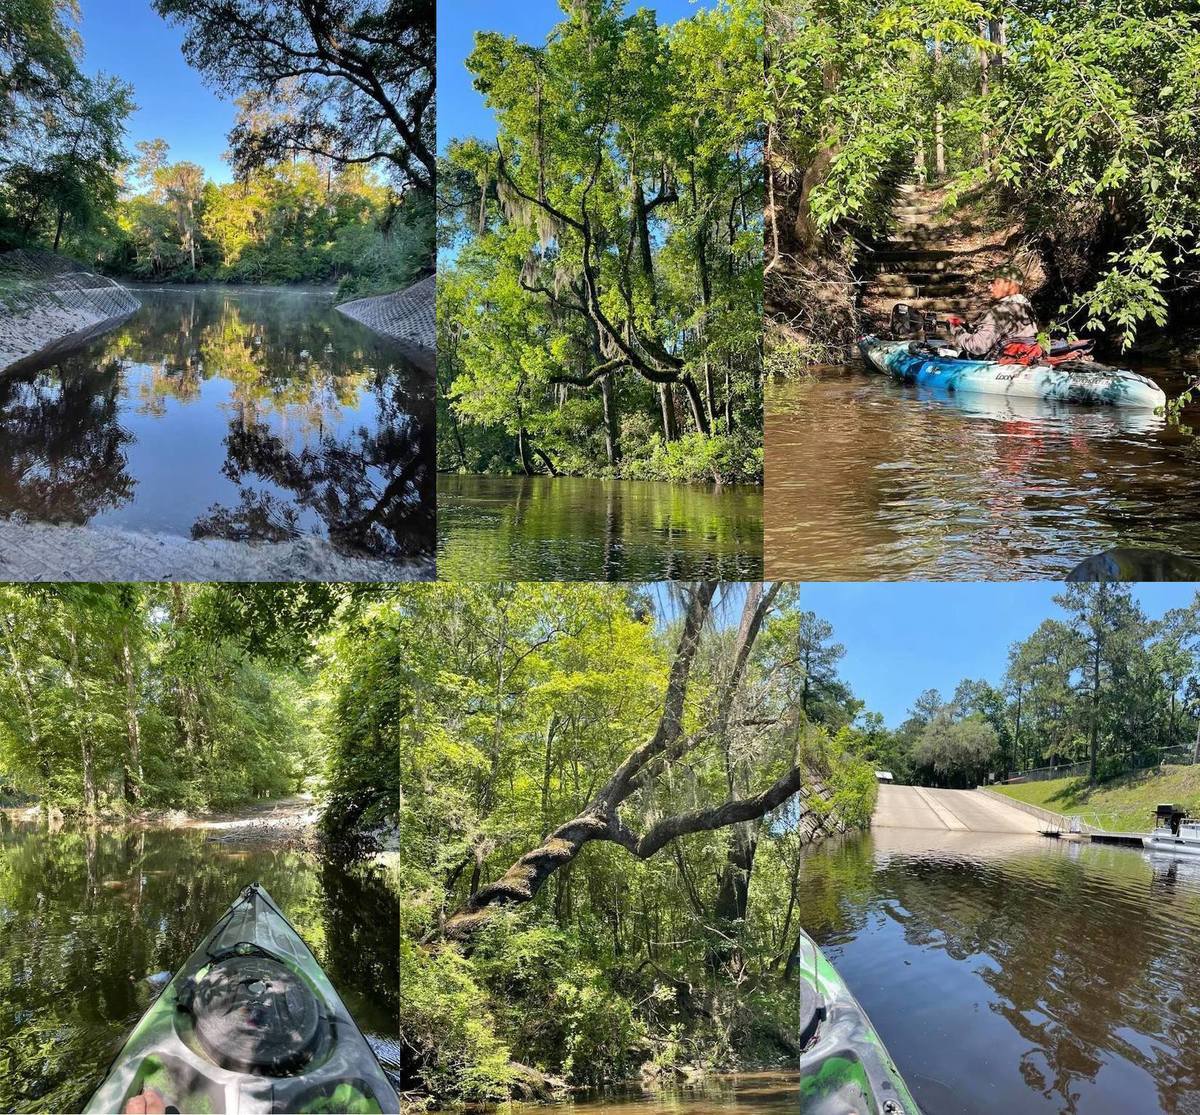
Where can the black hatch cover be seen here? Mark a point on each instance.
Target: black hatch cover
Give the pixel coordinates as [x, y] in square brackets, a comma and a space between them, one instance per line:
[254, 1014]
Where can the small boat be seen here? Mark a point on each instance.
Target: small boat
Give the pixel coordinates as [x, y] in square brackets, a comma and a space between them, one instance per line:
[844, 1067]
[250, 1023]
[1072, 382]
[1174, 832]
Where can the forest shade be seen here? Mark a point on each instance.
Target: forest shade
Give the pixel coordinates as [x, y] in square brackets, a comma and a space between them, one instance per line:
[125, 698]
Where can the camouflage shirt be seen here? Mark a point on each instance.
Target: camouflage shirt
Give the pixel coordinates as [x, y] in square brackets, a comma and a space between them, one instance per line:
[1011, 319]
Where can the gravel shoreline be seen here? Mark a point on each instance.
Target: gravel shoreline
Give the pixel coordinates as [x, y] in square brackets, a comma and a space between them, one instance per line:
[45, 552]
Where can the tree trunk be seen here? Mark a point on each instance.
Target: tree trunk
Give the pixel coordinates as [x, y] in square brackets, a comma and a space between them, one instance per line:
[670, 426]
[133, 767]
[939, 138]
[1094, 728]
[523, 451]
[86, 750]
[612, 447]
[985, 142]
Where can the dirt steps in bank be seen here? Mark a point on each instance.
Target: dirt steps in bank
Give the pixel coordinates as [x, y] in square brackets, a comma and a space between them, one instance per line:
[935, 258]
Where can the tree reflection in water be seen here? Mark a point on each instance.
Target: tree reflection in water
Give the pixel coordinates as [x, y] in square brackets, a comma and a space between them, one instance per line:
[63, 457]
[86, 916]
[257, 416]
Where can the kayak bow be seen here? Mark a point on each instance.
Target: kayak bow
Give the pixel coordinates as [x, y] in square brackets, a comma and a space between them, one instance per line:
[1075, 382]
[844, 1067]
[250, 1023]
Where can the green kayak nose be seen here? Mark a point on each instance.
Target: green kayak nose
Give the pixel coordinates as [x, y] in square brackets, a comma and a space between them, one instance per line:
[844, 1067]
[250, 1023]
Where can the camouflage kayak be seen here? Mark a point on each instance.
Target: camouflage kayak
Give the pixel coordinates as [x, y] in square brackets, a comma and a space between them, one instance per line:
[250, 1023]
[844, 1067]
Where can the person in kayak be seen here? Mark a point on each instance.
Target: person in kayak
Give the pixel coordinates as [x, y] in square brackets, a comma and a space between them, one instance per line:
[1010, 320]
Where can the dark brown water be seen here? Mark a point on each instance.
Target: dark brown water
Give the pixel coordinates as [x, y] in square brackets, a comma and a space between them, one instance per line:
[1018, 974]
[246, 415]
[544, 528]
[85, 918]
[755, 1093]
[871, 479]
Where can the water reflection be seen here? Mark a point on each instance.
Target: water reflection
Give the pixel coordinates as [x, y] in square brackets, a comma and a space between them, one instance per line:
[756, 1093]
[1022, 975]
[241, 415]
[870, 479]
[551, 528]
[87, 917]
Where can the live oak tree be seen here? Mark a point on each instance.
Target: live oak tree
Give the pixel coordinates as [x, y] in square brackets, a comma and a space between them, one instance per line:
[603, 801]
[608, 249]
[348, 80]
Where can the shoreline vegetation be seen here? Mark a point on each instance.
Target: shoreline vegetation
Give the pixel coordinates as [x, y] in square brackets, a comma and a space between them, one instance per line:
[599, 295]
[913, 147]
[232, 710]
[54, 304]
[285, 822]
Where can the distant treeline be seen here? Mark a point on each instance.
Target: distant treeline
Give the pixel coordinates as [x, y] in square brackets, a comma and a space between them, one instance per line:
[1102, 684]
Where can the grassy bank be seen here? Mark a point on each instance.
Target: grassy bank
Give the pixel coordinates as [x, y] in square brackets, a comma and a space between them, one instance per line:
[1124, 804]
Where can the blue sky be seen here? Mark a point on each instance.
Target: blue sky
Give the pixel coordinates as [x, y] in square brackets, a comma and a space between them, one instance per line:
[461, 111]
[901, 639]
[129, 39]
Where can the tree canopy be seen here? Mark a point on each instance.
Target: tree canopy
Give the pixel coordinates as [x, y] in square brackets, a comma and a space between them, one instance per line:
[350, 81]
[1076, 121]
[121, 698]
[599, 311]
[331, 149]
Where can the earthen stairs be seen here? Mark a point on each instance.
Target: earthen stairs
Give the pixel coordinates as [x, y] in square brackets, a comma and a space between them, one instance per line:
[932, 260]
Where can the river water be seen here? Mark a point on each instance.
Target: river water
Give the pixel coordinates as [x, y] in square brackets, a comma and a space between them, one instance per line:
[754, 1093]
[1018, 974]
[251, 415]
[85, 918]
[544, 528]
[872, 479]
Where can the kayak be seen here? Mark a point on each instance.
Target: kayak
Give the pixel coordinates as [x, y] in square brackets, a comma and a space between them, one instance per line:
[250, 1023]
[844, 1067]
[1073, 382]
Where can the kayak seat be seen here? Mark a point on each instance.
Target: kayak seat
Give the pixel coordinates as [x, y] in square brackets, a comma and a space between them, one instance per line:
[1030, 352]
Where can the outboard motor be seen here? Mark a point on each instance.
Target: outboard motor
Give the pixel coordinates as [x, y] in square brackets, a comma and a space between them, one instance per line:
[1170, 817]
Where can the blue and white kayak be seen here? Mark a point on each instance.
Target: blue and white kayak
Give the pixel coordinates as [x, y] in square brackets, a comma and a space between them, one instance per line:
[1077, 382]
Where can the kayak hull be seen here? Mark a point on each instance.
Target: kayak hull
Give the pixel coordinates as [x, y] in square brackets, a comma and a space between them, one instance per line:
[844, 1066]
[1092, 384]
[166, 1053]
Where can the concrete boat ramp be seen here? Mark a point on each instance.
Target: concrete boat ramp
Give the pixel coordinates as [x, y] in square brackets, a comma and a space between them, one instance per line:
[919, 807]
[923, 809]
